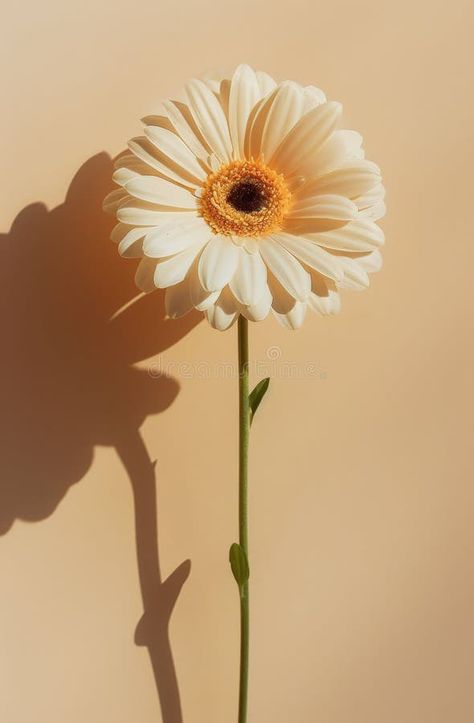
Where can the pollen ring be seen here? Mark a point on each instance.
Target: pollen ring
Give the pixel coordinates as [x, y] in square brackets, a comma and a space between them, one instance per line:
[244, 198]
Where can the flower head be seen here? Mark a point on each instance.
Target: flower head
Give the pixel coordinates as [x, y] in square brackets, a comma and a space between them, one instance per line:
[249, 198]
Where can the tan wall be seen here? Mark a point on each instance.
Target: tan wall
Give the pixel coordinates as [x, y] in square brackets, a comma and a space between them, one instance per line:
[361, 486]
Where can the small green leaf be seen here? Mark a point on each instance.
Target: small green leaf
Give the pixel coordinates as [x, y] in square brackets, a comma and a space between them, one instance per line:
[239, 564]
[257, 394]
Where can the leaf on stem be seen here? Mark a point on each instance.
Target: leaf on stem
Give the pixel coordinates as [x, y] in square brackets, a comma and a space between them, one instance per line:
[256, 396]
[239, 564]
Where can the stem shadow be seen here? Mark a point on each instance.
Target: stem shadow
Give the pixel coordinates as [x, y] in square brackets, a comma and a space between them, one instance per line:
[159, 597]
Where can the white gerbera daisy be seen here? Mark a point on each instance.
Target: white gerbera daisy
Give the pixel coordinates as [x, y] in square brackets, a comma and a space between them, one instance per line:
[247, 198]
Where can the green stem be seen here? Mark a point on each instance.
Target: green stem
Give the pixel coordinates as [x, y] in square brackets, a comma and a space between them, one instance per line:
[244, 432]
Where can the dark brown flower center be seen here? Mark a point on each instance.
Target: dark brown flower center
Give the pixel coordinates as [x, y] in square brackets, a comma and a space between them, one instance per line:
[246, 196]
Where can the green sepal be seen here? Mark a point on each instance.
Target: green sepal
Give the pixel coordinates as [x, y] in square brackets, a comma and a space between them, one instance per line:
[239, 564]
[257, 394]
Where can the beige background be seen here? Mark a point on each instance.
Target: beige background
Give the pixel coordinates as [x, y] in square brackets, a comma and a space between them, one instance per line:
[361, 492]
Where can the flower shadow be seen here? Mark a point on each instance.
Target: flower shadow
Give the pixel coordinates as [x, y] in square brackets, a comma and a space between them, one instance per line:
[73, 328]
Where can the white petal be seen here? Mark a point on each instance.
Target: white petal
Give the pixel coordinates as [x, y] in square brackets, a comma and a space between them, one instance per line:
[282, 301]
[312, 255]
[140, 213]
[328, 206]
[256, 124]
[375, 212]
[374, 196]
[174, 233]
[353, 144]
[128, 164]
[173, 270]
[354, 179]
[259, 310]
[214, 162]
[292, 319]
[144, 150]
[224, 312]
[320, 284]
[204, 302]
[325, 305]
[313, 97]
[177, 300]
[306, 138]
[125, 173]
[213, 84]
[246, 242]
[200, 297]
[124, 159]
[285, 111]
[184, 124]
[161, 192]
[287, 270]
[144, 275]
[119, 231]
[260, 121]
[158, 118]
[176, 150]
[113, 200]
[265, 83]
[372, 262]
[129, 240]
[244, 94]
[250, 278]
[342, 146]
[218, 263]
[358, 235]
[355, 277]
[210, 118]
